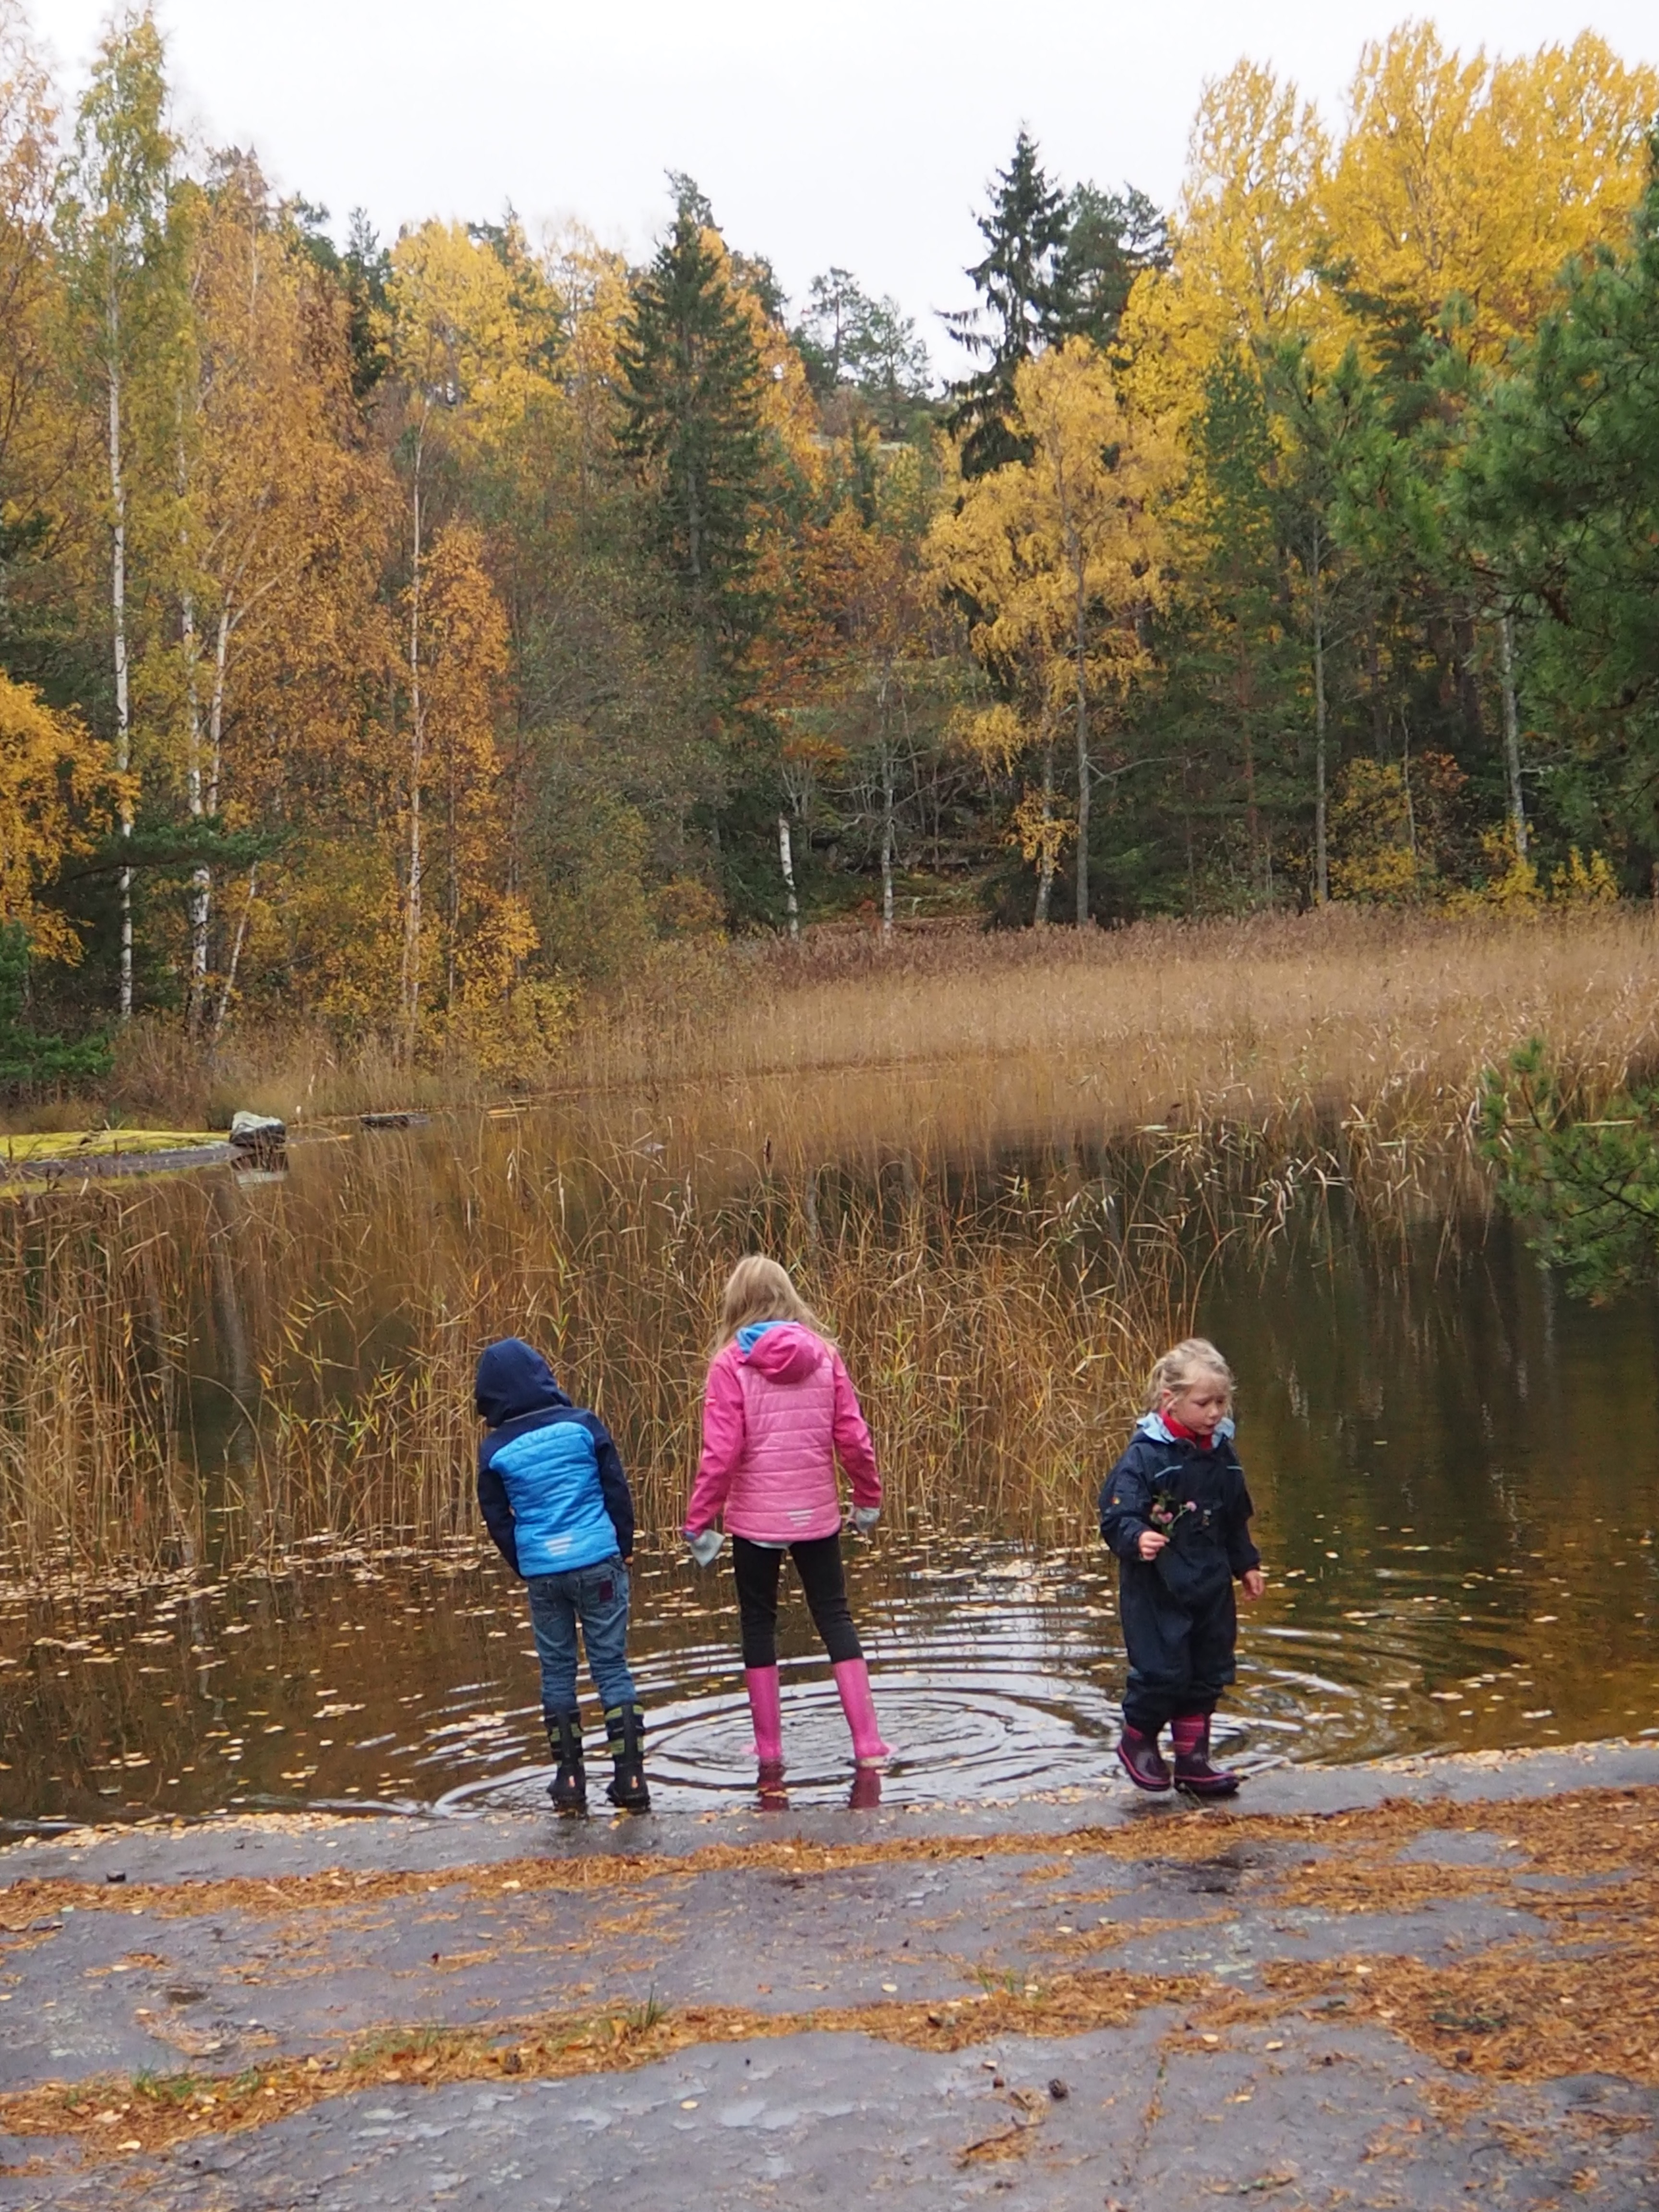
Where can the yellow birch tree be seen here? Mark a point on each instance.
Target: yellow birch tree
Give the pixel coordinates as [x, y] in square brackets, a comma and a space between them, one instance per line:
[1061, 556]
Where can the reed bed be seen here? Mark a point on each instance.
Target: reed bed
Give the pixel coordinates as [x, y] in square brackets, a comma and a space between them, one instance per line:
[1376, 1021]
[204, 1372]
[1000, 1169]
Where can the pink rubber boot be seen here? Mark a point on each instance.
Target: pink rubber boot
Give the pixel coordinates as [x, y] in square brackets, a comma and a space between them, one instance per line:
[852, 1680]
[766, 1710]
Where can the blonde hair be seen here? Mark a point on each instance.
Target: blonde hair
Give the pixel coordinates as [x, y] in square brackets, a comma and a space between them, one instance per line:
[1182, 1365]
[758, 1289]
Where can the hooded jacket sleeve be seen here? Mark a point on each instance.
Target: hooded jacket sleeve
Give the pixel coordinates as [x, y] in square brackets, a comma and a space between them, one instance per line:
[1242, 1553]
[613, 1483]
[853, 1445]
[1125, 1499]
[497, 1512]
[722, 1445]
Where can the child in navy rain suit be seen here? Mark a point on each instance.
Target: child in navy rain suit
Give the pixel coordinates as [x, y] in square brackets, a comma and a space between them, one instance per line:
[554, 1497]
[1175, 1511]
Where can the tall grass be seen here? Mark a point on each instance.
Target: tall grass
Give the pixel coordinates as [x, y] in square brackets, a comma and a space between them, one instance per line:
[1348, 1014]
[198, 1370]
[998, 1168]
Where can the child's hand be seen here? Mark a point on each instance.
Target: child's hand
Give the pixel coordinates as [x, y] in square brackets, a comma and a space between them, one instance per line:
[1149, 1543]
[1253, 1582]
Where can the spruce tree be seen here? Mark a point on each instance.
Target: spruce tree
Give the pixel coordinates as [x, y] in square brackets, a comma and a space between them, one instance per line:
[691, 402]
[1021, 300]
[1059, 265]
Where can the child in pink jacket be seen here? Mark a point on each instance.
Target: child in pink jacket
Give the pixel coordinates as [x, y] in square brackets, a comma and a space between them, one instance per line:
[778, 1410]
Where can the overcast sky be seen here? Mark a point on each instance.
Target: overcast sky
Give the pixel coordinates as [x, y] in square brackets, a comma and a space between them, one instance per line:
[861, 134]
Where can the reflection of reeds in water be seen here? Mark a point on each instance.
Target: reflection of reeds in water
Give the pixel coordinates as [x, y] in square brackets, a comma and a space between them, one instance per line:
[195, 1365]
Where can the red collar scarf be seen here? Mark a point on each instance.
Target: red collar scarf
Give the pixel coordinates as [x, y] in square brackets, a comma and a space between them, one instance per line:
[1186, 1436]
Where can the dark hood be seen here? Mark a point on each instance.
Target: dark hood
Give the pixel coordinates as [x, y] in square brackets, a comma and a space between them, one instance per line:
[514, 1380]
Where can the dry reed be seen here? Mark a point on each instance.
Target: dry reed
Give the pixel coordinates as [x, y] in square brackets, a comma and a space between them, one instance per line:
[1350, 1017]
[197, 1370]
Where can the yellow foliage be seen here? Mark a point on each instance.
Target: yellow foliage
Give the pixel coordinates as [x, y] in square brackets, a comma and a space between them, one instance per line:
[58, 793]
[459, 338]
[1047, 546]
[1245, 235]
[37, 427]
[590, 285]
[1374, 856]
[994, 735]
[508, 1025]
[1511, 886]
[1042, 827]
[1514, 888]
[786, 406]
[1482, 178]
[1578, 883]
[684, 907]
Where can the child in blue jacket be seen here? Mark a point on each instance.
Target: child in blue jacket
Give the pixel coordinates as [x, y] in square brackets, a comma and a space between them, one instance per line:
[1175, 1511]
[554, 1497]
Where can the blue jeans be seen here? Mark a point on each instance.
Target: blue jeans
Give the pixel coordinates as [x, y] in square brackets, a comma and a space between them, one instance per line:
[597, 1597]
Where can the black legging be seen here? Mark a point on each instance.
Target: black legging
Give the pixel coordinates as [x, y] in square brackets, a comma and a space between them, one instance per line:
[818, 1562]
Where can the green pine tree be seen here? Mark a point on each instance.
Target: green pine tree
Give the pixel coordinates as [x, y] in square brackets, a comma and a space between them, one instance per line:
[1585, 1186]
[1111, 238]
[692, 402]
[1022, 296]
[30, 1059]
[1563, 485]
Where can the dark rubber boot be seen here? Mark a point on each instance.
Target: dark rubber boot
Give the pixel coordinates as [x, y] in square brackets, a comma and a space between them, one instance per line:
[568, 1788]
[624, 1728]
[1141, 1760]
[1193, 1770]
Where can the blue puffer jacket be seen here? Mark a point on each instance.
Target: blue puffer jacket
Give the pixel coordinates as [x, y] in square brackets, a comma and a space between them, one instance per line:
[551, 1484]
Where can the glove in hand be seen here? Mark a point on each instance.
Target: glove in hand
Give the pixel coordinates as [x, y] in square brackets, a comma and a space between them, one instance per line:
[705, 1546]
[865, 1518]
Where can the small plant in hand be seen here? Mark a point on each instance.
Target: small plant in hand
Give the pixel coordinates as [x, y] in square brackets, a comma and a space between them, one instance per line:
[1167, 1508]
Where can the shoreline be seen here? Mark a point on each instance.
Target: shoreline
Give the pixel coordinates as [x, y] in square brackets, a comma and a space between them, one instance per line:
[455, 1839]
[1450, 1964]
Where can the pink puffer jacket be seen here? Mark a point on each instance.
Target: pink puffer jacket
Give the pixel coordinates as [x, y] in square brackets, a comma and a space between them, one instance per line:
[773, 1419]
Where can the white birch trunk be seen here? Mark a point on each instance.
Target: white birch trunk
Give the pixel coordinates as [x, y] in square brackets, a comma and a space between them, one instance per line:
[786, 862]
[118, 494]
[887, 839]
[1046, 856]
[235, 960]
[195, 793]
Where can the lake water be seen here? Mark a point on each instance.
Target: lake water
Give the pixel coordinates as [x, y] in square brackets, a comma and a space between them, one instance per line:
[1457, 1489]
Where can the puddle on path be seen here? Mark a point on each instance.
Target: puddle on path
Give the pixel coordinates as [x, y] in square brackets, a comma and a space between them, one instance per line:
[1457, 1482]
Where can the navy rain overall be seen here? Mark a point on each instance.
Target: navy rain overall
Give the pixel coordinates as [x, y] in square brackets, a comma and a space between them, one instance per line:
[1180, 1622]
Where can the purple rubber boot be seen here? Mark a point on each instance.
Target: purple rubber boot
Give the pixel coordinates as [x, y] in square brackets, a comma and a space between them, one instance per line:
[1193, 1770]
[1141, 1759]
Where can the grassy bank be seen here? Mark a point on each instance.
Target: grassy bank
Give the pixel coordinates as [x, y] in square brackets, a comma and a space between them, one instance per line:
[1360, 1008]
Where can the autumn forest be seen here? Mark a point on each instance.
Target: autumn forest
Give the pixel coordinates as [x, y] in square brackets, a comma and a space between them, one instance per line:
[411, 636]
